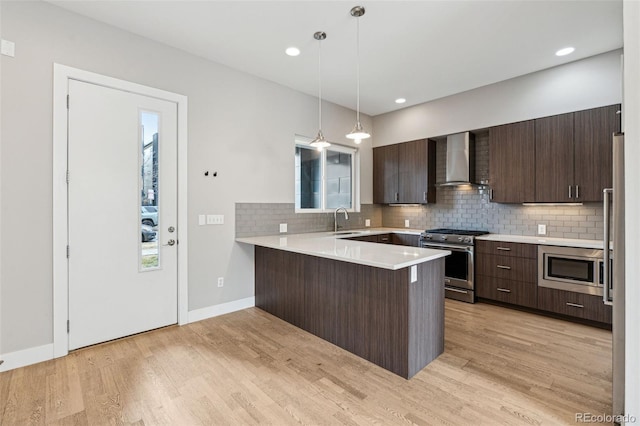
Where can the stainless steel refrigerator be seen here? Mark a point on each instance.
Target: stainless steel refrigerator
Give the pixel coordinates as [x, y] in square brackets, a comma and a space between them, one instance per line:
[613, 267]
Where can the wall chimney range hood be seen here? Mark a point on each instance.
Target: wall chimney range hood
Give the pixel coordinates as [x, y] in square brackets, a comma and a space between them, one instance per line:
[461, 164]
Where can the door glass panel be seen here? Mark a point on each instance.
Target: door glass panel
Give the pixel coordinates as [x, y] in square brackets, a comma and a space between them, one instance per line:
[149, 253]
[338, 172]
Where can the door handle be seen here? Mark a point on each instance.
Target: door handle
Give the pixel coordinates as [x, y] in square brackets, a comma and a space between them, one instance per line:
[170, 242]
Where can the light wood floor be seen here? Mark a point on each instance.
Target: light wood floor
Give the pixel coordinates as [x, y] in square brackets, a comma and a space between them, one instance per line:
[499, 367]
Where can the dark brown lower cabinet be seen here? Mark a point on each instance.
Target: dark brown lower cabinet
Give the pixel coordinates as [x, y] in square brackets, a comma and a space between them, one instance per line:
[377, 314]
[405, 240]
[578, 305]
[507, 291]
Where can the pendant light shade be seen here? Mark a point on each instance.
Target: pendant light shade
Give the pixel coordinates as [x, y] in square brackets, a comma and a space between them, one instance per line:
[358, 133]
[319, 142]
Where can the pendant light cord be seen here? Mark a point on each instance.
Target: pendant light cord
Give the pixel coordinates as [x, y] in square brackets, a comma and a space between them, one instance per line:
[358, 69]
[319, 85]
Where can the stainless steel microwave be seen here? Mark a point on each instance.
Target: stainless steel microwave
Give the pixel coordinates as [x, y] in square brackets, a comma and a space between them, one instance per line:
[571, 269]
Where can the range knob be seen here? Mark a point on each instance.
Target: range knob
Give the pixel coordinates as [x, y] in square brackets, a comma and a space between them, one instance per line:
[467, 240]
[443, 238]
[462, 239]
[429, 237]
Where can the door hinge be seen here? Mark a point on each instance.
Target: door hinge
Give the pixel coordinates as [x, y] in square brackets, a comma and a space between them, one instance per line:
[67, 176]
[67, 326]
[67, 101]
[67, 252]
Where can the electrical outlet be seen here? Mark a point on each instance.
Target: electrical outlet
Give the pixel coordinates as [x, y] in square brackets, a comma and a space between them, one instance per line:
[367, 222]
[220, 281]
[283, 227]
[202, 220]
[542, 229]
[406, 223]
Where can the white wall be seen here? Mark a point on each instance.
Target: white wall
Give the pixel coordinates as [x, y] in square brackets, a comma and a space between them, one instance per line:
[240, 126]
[631, 10]
[588, 83]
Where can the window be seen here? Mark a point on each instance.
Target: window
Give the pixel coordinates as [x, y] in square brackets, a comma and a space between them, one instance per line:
[327, 179]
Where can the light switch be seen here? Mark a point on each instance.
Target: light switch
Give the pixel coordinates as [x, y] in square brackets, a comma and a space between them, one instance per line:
[202, 220]
[218, 219]
[210, 219]
[8, 48]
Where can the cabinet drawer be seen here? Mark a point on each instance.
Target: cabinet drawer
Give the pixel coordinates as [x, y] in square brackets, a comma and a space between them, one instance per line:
[578, 305]
[507, 249]
[507, 267]
[514, 292]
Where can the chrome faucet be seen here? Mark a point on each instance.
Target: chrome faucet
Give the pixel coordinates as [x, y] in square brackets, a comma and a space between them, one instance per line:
[335, 218]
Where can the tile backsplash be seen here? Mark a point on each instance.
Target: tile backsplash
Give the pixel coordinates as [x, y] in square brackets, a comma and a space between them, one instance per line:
[454, 208]
[254, 219]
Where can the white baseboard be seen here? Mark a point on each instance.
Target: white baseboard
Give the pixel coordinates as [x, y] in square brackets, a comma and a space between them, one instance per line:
[221, 309]
[26, 357]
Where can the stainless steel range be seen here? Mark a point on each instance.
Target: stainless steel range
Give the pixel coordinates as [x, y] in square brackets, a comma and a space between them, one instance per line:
[458, 270]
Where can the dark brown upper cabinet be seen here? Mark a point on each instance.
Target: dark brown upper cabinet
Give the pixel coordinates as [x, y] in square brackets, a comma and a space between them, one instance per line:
[385, 174]
[554, 159]
[405, 173]
[593, 134]
[511, 165]
[559, 159]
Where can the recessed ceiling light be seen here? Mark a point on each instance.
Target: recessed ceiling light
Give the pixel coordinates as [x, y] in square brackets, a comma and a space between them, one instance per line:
[565, 51]
[401, 100]
[292, 51]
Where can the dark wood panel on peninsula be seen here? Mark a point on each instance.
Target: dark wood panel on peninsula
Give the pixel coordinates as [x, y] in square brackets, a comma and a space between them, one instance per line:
[375, 313]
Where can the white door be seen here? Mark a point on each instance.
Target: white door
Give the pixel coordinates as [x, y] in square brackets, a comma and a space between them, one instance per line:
[122, 161]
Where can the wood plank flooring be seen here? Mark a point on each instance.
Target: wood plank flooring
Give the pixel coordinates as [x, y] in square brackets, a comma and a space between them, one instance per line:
[500, 366]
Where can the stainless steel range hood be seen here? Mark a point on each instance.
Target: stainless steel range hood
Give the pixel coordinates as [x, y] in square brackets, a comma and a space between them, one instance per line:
[461, 162]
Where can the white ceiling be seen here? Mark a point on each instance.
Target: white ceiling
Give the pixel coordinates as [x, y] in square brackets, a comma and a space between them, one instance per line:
[419, 50]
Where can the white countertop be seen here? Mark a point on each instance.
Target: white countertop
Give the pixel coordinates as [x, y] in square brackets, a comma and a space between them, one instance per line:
[330, 246]
[545, 241]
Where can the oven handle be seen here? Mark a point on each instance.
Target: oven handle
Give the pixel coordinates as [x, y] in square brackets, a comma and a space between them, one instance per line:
[447, 247]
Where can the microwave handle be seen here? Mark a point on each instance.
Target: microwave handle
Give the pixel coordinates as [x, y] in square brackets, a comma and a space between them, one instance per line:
[606, 261]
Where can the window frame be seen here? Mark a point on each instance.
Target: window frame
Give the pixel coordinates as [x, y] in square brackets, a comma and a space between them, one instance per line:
[303, 142]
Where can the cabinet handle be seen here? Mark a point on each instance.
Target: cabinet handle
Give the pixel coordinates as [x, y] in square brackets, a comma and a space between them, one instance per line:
[424, 196]
[447, 280]
[577, 191]
[491, 193]
[504, 290]
[503, 267]
[570, 188]
[397, 196]
[503, 248]
[575, 305]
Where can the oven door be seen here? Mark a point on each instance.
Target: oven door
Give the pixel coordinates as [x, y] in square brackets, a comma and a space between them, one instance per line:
[458, 266]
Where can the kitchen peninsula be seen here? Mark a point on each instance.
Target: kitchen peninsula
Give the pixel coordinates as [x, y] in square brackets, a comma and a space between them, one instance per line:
[384, 303]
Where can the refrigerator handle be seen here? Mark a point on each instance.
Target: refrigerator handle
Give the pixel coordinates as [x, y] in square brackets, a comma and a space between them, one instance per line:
[605, 247]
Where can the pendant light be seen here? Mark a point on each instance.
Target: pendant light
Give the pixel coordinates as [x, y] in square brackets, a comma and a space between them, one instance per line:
[358, 133]
[319, 142]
